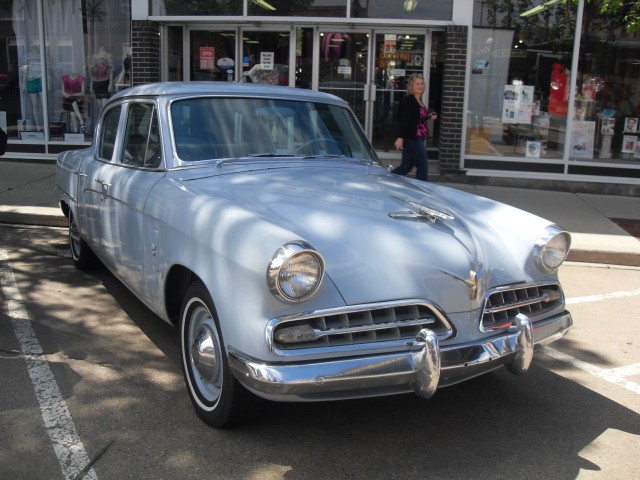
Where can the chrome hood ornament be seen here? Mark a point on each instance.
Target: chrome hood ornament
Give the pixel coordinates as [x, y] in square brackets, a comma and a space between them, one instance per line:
[420, 212]
[471, 282]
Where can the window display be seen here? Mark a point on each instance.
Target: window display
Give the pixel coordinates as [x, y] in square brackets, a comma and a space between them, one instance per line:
[521, 99]
[54, 82]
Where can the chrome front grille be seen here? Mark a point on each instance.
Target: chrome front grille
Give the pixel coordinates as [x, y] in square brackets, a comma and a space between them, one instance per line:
[535, 301]
[347, 327]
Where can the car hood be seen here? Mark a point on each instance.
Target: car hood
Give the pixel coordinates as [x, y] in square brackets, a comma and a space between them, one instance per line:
[386, 237]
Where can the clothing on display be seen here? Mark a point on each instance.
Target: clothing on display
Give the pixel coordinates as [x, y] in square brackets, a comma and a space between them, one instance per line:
[101, 73]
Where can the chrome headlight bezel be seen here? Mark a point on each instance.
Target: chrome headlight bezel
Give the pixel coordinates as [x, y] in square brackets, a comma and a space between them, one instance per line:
[551, 248]
[300, 285]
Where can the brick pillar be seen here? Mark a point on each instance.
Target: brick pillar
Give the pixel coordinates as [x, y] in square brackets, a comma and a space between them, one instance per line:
[452, 110]
[145, 56]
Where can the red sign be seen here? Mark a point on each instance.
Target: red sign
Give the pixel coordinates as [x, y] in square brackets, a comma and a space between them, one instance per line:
[207, 58]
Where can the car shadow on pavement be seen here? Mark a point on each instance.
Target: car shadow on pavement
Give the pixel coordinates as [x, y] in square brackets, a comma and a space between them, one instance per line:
[494, 426]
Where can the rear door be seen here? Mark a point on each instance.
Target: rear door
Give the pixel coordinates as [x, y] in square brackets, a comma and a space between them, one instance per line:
[92, 191]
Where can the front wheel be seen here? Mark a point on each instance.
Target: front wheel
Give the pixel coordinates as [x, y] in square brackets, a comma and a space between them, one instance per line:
[216, 395]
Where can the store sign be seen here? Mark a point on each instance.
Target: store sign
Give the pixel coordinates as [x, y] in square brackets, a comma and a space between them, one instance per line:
[415, 58]
[207, 58]
[510, 53]
[266, 60]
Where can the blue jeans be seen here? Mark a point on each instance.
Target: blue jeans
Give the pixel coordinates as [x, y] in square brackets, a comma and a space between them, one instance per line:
[414, 154]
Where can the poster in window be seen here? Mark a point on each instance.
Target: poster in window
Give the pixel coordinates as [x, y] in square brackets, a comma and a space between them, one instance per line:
[541, 126]
[630, 125]
[636, 154]
[533, 149]
[607, 126]
[629, 143]
[582, 139]
[517, 106]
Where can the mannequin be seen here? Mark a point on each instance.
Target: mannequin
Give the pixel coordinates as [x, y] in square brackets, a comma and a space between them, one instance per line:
[73, 91]
[101, 76]
[32, 83]
[124, 77]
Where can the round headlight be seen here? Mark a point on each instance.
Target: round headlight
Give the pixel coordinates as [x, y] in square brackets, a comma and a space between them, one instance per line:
[295, 272]
[552, 248]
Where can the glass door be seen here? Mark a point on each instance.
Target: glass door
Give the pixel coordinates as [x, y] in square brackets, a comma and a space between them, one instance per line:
[212, 55]
[397, 56]
[343, 69]
[265, 57]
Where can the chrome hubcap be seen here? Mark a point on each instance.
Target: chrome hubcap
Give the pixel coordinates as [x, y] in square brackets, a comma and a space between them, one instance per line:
[203, 353]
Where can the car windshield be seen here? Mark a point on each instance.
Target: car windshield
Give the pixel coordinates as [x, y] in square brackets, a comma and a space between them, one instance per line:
[221, 128]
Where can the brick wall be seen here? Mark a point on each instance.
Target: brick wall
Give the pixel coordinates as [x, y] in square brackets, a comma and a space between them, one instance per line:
[452, 110]
[145, 52]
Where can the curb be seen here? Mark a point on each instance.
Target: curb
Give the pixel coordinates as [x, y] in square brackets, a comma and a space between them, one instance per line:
[34, 219]
[611, 258]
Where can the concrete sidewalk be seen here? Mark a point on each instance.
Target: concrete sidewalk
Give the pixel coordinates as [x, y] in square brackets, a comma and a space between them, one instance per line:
[27, 197]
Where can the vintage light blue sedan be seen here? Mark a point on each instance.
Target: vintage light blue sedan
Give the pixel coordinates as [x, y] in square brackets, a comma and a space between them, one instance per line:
[259, 221]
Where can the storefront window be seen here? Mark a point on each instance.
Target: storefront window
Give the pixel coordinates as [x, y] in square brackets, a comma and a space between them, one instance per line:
[175, 53]
[402, 9]
[213, 55]
[607, 106]
[54, 89]
[521, 87]
[198, 7]
[298, 8]
[304, 57]
[22, 68]
[519, 84]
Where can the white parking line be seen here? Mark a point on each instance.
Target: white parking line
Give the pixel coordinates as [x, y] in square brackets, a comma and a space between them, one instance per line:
[72, 457]
[604, 296]
[616, 376]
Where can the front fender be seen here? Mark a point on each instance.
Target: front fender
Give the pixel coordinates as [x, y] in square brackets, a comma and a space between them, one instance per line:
[229, 249]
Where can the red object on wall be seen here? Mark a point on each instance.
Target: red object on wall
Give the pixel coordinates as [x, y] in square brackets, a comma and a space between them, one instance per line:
[558, 91]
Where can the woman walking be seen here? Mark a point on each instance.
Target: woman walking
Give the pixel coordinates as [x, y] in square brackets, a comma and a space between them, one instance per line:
[413, 130]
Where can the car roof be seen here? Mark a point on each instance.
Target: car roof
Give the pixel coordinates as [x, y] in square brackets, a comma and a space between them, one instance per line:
[170, 89]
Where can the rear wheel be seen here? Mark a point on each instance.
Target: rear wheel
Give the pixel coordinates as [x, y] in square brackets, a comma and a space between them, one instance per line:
[83, 257]
[216, 395]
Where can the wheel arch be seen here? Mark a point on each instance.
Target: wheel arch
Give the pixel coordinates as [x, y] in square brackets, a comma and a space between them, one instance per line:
[64, 206]
[178, 280]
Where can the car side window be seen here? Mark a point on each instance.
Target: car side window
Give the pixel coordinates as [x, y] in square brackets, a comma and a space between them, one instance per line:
[108, 133]
[142, 146]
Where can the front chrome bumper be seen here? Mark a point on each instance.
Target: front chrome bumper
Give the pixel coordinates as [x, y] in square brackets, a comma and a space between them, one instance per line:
[423, 369]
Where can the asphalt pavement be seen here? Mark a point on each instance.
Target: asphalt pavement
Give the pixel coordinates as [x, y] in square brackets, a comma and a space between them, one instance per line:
[604, 228]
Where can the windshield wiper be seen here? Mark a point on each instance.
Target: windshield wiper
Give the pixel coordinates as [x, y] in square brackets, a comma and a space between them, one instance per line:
[270, 155]
[326, 155]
